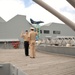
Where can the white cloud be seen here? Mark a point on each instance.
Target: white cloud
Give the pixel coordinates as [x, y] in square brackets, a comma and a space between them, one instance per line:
[10, 8]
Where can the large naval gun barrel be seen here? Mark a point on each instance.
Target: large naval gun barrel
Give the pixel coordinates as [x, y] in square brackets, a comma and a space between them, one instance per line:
[72, 2]
[56, 13]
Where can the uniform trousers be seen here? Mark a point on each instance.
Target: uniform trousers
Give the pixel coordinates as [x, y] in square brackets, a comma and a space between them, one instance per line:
[26, 47]
[32, 48]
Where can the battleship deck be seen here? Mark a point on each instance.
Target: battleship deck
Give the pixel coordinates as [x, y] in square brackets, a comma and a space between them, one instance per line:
[43, 64]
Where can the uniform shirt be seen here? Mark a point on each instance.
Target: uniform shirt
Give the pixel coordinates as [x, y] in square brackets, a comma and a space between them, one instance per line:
[32, 35]
[25, 37]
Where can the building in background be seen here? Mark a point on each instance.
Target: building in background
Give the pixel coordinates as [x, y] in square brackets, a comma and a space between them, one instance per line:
[55, 29]
[12, 28]
[10, 31]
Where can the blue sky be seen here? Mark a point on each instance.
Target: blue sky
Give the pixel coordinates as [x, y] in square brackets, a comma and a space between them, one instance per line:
[28, 3]
[10, 8]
